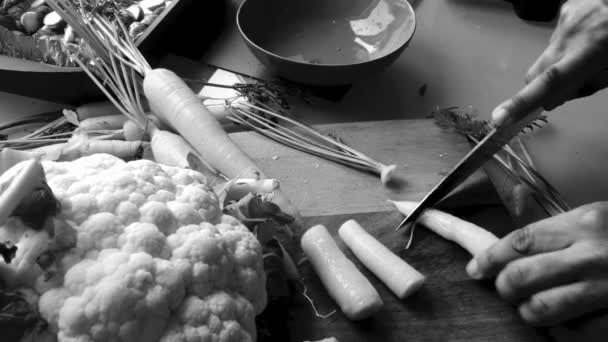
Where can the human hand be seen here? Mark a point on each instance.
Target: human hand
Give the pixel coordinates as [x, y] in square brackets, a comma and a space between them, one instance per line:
[554, 269]
[575, 63]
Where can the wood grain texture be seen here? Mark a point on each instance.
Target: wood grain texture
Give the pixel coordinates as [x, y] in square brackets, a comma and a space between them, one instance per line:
[422, 151]
[449, 307]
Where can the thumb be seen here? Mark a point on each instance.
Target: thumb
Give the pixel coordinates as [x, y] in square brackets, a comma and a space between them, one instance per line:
[533, 96]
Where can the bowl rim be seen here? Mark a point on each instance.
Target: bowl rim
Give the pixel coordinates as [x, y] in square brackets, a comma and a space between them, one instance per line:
[284, 59]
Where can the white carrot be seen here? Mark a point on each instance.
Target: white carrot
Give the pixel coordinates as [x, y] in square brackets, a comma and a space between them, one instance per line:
[181, 154]
[122, 149]
[466, 234]
[81, 147]
[103, 122]
[90, 110]
[133, 132]
[242, 186]
[397, 274]
[175, 103]
[355, 295]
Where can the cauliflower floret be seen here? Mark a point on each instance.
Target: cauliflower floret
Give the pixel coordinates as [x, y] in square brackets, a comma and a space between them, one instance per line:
[218, 317]
[154, 257]
[126, 297]
[144, 237]
[220, 257]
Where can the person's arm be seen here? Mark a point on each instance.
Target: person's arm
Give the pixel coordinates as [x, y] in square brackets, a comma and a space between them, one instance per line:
[556, 270]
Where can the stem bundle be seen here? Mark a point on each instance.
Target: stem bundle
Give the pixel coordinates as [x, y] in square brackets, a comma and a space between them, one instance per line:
[290, 132]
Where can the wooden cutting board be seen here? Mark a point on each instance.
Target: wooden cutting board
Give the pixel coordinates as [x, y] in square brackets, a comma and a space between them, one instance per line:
[451, 306]
[422, 151]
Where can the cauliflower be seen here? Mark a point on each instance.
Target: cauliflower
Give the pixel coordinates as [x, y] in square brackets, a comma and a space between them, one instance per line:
[154, 260]
[217, 317]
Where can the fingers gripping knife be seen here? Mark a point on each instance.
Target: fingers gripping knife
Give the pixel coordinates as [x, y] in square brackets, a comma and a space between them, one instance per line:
[482, 152]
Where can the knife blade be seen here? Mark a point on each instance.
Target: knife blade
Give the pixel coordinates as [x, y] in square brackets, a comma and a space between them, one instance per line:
[481, 153]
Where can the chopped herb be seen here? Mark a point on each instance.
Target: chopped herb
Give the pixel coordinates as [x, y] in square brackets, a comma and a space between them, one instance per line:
[517, 166]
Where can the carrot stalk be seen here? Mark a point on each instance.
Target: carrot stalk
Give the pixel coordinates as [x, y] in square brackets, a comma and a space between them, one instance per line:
[466, 234]
[132, 132]
[355, 295]
[175, 103]
[180, 154]
[397, 274]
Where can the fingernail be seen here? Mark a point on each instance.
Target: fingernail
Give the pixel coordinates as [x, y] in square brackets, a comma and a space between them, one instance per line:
[499, 115]
[473, 270]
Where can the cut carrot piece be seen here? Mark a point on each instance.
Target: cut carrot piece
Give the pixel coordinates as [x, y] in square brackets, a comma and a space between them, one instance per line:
[397, 274]
[355, 295]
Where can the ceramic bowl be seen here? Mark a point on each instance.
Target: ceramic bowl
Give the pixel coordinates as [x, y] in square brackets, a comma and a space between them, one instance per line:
[326, 42]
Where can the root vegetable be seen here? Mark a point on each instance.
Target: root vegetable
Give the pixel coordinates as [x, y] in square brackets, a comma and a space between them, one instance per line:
[103, 122]
[77, 148]
[172, 150]
[31, 21]
[468, 235]
[355, 295]
[132, 132]
[243, 186]
[90, 110]
[174, 102]
[397, 274]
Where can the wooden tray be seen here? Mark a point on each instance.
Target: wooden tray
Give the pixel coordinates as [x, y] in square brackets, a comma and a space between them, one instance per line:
[70, 85]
